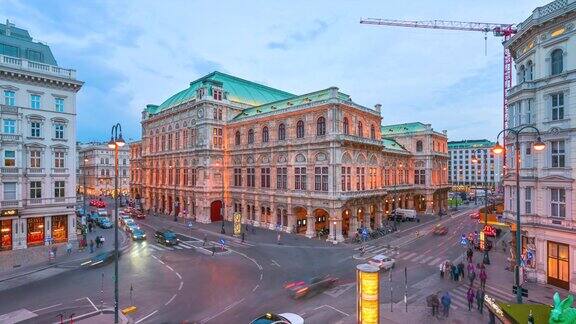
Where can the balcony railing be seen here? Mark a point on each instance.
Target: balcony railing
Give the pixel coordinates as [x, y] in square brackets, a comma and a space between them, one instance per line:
[35, 170]
[23, 64]
[9, 137]
[358, 139]
[526, 85]
[10, 170]
[8, 109]
[60, 170]
[11, 203]
[50, 201]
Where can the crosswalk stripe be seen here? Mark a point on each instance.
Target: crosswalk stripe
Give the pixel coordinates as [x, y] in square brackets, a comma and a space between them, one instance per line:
[416, 259]
[178, 247]
[384, 249]
[409, 256]
[426, 259]
[402, 255]
[186, 246]
[435, 262]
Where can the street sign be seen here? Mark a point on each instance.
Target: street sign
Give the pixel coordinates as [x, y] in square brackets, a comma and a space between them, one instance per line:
[364, 232]
[524, 291]
[463, 240]
[189, 224]
[222, 241]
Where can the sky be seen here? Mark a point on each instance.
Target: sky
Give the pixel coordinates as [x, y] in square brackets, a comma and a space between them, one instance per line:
[133, 53]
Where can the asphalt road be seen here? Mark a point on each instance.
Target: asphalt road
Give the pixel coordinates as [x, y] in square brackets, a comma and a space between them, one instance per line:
[189, 285]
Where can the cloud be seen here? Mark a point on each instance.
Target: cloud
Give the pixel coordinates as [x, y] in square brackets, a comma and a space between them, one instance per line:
[301, 36]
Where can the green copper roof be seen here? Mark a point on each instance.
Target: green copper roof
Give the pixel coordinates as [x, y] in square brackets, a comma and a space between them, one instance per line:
[391, 144]
[467, 144]
[287, 103]
[388, 130]
[16, 42]
[235, 90]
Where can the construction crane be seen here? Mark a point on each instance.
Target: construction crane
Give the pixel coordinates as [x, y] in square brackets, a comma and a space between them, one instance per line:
[500, 30]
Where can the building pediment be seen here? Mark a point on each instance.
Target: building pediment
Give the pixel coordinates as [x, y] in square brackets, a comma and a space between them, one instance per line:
[556, 178]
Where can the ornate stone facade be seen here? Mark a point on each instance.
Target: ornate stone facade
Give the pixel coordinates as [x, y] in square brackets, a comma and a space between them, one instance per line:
[286, 162]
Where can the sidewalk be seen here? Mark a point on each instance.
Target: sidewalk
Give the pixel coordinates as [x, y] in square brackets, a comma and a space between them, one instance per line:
[32, 263]
[418, 314]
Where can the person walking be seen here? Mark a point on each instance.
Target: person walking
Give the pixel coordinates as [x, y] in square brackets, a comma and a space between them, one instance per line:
[68, 248]
[243, 237]
[470, 298]
[455, 273]
[483, 277]
[205, 240]
[446, 301]
[213, 249]
[460, 271]
[435, 304]
[278, 239]
[91, 246]
[469, 255]
[480, 299]
[442, 270]
[470, 267]
[97, 241]
[471, 277]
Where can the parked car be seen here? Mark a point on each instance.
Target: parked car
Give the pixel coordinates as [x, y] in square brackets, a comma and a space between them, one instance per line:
[382, 262]
[440, 230]
[299, 289]
[166, 237]
[138, 234]
[475, 215]
[97, 203]
[406, 214]
[284, 318]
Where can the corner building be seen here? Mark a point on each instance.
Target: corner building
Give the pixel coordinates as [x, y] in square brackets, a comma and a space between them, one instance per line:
[296, 163]
[544, 97]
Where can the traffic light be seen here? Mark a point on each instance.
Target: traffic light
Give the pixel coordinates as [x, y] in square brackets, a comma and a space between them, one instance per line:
[524, 291]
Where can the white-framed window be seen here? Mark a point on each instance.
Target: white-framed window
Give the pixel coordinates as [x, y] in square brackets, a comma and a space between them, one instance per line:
[9, 98]
[528, 200]
[558, 202]
[58, 159]
[558, 153]
[9, 126]
[265, 177]
[9, 190]
[35, 129]
[59, 189]
[35, 159]
[529, 71]
[420, 177]
[527, 160]
[59, 104]
[557, 100]
[59, 131]
[300, 178]
[282, 178]
[321, 178]
[9, 158]
[557, 62]
[35, 189]
[346, 178]
[360, 179]
[35, 101]
[250, 177]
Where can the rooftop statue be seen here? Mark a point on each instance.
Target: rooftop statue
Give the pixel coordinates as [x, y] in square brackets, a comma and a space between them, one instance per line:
[563, 313]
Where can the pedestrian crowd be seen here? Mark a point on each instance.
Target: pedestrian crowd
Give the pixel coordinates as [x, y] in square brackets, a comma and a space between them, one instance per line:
[458, 272]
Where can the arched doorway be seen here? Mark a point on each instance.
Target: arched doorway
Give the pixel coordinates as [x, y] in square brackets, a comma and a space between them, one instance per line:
[215, 211]
[321, 216]
[176, 206]
[345, 221]
[360, 217]
[373, 209]
[300, 214]
[419, 203]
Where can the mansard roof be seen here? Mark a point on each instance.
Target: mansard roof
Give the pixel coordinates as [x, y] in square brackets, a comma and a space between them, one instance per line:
[397, 129]
[470, 144]
[235, 89]
[17, 42]
[392, 145]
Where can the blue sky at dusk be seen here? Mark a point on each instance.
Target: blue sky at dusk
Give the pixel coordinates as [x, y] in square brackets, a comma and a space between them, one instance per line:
[132, 53]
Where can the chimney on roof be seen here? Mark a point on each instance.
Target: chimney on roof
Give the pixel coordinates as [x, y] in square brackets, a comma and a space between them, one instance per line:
[8, 25]
[378, 107]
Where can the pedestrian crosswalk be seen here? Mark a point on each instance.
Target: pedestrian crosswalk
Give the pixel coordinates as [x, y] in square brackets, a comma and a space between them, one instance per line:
[459, 299]
[416, 257]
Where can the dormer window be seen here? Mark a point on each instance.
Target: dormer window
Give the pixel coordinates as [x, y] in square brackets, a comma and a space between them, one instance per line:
[200, 93]
[217, 94]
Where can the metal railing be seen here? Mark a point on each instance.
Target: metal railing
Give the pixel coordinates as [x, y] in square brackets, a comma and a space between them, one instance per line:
[24, 64]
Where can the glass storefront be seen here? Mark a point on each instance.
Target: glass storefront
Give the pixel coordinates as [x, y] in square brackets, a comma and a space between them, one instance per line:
[558, 265]
[5, 235]
[35, 230]
[60, 228]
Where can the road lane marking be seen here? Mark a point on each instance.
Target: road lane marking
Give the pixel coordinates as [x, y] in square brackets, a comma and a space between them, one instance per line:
[410, 256]
[260, 276]
[178, 247]
[91, 303]
[179, 276]
[255, 287]
[171, 299]
[145, 317]
[435, 262]
[333, 308]
[249, 258]
[276, 263]
[45, 308]
[416, 259]
[169, 267]
[227, 308]
[426, 259]
[181, 284]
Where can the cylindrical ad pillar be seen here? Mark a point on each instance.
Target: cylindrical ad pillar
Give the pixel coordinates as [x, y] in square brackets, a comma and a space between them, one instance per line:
[368, 294]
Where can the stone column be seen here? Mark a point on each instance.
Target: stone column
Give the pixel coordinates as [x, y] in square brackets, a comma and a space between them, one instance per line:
[335, 230]
[353, 222]
[429, 204]
[378, 219]
[310, 223]
[257, 213]
[291, 220]
[367, 216]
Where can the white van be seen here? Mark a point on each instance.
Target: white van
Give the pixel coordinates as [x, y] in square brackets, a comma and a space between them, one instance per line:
[407, 214]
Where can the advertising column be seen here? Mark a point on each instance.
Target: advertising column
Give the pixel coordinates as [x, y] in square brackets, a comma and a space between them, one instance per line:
[368, 294]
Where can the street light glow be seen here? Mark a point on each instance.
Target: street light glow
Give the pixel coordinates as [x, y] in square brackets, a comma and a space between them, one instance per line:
[497, 149]
[539, 145]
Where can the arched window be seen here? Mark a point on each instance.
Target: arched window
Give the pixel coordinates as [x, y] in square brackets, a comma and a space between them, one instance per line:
[346, 128]
[372, 132]
[521, 74]
[557, 64]
[251, 136]
[419, 147]
[300, 129]
[529, 71]
[237, 138]
[321, 126]
[219, 114]
[265, 135]
[360, 129]
[281, 132]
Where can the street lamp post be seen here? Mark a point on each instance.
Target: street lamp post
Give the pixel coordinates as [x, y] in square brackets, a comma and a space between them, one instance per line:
[498, 149]
[84, 184]
[116, 141]
[175, 204]
[486, 259]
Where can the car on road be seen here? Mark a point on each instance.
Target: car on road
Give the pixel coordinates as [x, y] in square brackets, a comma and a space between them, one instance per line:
[138, 234]
[382, 261]
[123, 219]
[129, 223]
[475, 215]
[166, 237]
[440, 230]
[101, 259]
[132, 227]
[284, 318]
[104, 222]
[97, 203]
[102, 212]
[316, 285]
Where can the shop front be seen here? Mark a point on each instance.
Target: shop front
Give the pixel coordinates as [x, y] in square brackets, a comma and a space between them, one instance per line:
[35, 231]
[558, 264]
[60, 228]
[7, 217]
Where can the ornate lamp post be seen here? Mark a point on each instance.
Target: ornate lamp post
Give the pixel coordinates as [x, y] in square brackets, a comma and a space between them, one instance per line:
[116, 141]
[475, 160]
[498, 149]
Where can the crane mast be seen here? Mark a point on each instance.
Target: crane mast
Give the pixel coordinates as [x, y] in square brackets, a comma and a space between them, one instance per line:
[500, 30]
